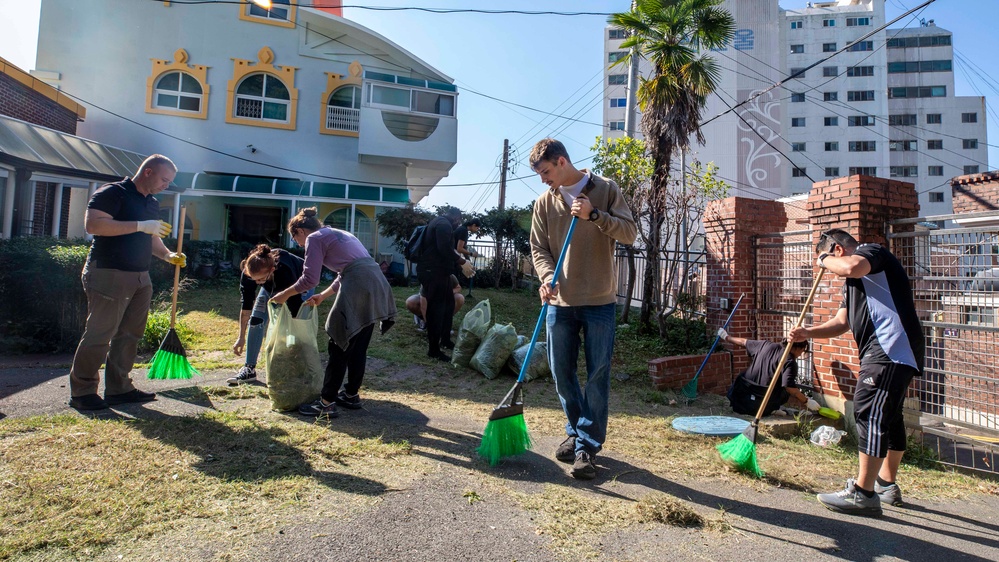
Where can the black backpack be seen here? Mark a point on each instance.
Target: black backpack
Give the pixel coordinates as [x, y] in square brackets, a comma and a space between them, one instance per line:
[414, 247]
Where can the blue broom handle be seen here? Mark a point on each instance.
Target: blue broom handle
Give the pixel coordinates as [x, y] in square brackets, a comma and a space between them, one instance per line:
[718, 337]
[544, 307]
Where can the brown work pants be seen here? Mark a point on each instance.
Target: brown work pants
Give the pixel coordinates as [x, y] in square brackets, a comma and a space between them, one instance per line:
[117, 305]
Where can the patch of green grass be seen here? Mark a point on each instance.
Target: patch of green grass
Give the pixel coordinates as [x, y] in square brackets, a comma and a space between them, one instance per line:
[75, 483]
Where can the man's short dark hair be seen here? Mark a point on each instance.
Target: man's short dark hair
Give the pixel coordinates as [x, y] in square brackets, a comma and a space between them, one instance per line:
[833, 236]
[802, 345]
[548, 149]
[473, 222]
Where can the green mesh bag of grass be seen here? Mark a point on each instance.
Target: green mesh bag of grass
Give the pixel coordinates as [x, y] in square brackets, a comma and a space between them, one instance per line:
[291, 357]
[473, 328]
[538, 367]
[496, 348]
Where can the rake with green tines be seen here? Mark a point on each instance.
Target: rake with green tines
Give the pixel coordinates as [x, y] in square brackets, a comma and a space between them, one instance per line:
[170, 361]
[689, 390]
[506, 432]
[740, 452]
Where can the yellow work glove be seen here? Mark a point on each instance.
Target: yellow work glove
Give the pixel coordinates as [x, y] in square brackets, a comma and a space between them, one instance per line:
[173, 258]
[467, 270]
[154, 227]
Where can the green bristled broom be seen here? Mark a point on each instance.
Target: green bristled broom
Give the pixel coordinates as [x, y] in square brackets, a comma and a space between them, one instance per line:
[740, 452]
[506, 432]
[170, 361]
[689, 390]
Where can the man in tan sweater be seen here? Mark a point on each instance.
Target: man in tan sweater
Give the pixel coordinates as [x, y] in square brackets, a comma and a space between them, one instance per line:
[584, 297]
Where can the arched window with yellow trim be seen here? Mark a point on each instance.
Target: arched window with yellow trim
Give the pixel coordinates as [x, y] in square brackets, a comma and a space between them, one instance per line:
[178, 91]
[262, 96]
[343, 109]
[177, 88]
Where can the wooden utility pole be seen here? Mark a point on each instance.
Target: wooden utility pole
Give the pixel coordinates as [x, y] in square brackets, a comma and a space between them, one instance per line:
[503, 170]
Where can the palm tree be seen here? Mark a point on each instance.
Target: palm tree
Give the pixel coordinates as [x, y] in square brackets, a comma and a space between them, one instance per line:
[674, 36]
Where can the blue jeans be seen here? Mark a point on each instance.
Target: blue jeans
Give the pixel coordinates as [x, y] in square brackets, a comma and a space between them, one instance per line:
[258, 325]
[585, 409]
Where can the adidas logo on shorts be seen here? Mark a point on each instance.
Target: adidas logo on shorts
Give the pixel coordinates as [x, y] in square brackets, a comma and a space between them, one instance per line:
[868, 380]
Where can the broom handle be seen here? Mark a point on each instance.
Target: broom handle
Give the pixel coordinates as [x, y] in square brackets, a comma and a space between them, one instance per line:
[544, 307]
[787, 348]
[176, 268]
[717, 337]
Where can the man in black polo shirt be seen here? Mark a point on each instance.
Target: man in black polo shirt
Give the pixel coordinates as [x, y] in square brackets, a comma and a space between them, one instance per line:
[123, 217]
[879, 309]
[461, 235]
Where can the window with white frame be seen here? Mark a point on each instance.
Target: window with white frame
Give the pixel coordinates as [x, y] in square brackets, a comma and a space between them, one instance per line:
[828, 22]
[830, 96]
[832, 172]
[262, 96]
[797, 147]
[797, 24]
[936, 197]
[179, 91]
[797, 49]
[969, 144]
[832, 146]
[969, 118]
[619, 102]
[971, 169]
[797, 121]
[829, 47]
[797, 172]
[934, 171]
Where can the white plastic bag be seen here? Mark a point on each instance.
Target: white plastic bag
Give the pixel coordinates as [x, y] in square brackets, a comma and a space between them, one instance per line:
[826, 435]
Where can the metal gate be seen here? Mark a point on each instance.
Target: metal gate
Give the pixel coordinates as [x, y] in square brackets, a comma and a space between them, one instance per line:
[783, 278]
[955, 279]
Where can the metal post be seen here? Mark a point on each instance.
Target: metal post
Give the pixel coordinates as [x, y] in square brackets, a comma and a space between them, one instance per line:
[631, 114]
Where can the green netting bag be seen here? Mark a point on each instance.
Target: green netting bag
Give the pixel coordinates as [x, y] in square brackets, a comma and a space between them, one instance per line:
[291, 357]
[537, 368]
[473, 328]
[496, 348]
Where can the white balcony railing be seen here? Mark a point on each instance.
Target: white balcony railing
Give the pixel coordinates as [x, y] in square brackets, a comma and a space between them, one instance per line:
[342, 118]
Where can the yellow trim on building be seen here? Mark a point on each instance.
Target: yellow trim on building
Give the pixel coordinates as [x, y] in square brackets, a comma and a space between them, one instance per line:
[244, 14]
[161, 67]
[243, 68]
[42, 88]
[333, 83]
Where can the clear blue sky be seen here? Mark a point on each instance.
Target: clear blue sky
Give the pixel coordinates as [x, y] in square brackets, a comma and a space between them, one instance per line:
[551, 63]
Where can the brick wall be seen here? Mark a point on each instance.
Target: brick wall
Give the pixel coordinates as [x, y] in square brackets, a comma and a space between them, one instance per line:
[974, 193]
[21, 102]
[729, 227]
[44, 210]
[674, 372]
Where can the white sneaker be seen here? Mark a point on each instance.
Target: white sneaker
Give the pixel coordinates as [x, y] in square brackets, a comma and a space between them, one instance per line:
[851, 501]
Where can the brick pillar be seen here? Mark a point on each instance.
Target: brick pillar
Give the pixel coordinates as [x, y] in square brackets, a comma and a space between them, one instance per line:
[860, 205]
[729, 227]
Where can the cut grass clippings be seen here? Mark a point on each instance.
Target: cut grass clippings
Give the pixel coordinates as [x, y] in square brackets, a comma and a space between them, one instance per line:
[71, 486]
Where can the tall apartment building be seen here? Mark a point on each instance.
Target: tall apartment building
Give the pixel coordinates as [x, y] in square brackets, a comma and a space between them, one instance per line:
[884, 107]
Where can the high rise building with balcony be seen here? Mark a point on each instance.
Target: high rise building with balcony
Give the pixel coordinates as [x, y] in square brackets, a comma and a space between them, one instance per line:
[884, 106]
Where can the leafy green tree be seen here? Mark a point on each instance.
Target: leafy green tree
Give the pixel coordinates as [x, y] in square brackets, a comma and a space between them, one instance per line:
[626, 161]
[399, 223]
[675, 37]
[511, 229]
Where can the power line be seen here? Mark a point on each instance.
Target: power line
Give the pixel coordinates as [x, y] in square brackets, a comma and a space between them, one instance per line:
[415, 9]
[802, 71]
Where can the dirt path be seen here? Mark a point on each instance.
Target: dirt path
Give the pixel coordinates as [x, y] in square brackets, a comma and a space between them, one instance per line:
[449, 508]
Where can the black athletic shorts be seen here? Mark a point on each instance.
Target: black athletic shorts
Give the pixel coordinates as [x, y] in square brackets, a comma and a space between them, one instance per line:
[877, 403]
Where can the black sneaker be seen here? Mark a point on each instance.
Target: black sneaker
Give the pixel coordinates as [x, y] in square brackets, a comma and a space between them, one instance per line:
[245, 374]
[318, 409]
[134, 395]
[447, 344]
[583, 468]
[566, 452]
[347, 401]
[88, 402]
